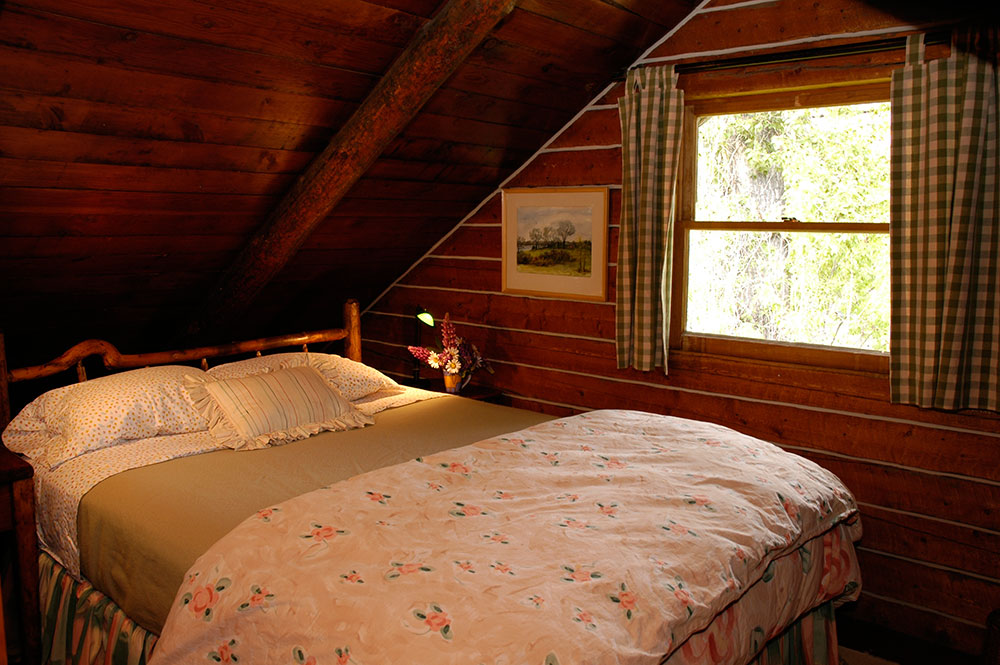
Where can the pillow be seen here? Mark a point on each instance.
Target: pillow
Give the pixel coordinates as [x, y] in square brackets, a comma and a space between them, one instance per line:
[353, 379]
[251, 412]
[67, 422]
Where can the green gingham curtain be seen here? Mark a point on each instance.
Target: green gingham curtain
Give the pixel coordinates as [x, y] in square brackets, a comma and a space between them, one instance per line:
[945, 231]
[651, 114]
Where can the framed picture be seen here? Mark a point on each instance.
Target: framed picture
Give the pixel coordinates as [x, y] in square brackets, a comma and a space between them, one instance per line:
[555, 242]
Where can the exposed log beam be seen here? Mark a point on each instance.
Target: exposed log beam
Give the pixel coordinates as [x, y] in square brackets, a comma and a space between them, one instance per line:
[434, 54]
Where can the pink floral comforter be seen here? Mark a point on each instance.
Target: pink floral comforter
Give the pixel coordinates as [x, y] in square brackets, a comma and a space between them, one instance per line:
[607, 537]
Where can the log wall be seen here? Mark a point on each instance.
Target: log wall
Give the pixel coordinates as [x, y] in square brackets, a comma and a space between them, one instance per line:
[142, 143]
[928, 482]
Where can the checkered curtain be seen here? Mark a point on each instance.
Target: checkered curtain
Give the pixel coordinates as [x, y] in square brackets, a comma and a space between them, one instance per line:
[945, 230]
[651, 117]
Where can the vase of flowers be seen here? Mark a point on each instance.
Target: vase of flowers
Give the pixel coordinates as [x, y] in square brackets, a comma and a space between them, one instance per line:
[452, 382]
[457, 359]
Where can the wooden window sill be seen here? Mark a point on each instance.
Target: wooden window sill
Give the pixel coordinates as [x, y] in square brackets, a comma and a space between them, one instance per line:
[802, 355]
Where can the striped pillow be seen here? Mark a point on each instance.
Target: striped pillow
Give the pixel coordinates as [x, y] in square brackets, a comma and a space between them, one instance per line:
[254, 411]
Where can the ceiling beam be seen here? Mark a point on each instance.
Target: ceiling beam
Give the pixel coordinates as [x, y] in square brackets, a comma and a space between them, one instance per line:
[435, 52]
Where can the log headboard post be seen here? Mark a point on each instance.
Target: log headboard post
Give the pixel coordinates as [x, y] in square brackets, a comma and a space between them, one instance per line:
[17, 479]
[4, 386]
[352, 324]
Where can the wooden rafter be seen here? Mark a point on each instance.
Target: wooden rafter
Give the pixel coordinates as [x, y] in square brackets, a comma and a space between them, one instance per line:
[434, 54]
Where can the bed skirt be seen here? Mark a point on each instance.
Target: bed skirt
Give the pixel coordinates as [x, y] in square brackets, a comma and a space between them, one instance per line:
[811, 640]
[82, 626]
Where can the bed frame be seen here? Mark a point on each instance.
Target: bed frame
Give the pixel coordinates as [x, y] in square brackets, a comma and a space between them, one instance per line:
[17, 494]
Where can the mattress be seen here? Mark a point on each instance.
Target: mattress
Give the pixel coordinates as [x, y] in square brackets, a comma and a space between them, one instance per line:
[139, 531]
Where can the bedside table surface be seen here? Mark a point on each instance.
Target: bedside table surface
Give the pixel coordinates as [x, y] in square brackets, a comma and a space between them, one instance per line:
[472, 391]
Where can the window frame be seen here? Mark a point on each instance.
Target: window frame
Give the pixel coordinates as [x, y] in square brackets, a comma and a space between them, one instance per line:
[740, 347]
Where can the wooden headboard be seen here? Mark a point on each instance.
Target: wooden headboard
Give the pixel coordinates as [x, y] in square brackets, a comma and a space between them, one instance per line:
[115, 360]
[17, 495]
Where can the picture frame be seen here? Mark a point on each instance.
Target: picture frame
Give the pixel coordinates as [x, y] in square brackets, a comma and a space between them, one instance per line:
[555, 242]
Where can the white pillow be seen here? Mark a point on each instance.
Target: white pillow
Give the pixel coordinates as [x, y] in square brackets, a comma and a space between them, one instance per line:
[250, 412]
[67, 422]
[353, 379]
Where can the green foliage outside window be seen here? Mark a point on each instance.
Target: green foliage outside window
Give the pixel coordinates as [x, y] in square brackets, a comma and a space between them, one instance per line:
[816, 165]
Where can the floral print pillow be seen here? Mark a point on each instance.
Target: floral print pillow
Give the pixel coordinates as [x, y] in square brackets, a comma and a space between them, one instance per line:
[72, 420]
[353, 379]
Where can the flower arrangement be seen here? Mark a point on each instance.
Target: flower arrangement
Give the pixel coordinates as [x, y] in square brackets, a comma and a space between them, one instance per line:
[457, 356]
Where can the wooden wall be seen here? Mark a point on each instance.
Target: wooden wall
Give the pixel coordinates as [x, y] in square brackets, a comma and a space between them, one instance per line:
[142, 143]
[928, 482]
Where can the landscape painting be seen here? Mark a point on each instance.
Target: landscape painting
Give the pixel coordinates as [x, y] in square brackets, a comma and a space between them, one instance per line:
[555, 242]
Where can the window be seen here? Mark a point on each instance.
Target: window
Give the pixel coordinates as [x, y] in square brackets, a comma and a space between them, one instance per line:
[783, 233]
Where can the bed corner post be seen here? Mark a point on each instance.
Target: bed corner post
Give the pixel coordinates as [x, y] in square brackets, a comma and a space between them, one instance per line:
[352, 324]
[4, 386]
[19, 477]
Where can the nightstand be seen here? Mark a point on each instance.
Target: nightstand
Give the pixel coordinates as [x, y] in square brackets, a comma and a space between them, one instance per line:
[472, 391]
[17, 514]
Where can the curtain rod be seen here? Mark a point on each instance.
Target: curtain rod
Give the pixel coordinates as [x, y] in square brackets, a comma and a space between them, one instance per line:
[881, 45]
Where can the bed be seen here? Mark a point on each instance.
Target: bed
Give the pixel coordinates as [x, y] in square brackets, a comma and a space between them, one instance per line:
[387, 524]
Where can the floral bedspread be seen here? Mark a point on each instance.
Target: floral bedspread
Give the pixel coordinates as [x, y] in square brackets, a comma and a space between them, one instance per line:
[607, 537]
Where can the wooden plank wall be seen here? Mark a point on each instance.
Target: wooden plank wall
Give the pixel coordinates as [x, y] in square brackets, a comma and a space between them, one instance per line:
[142, 143]
[928, 482]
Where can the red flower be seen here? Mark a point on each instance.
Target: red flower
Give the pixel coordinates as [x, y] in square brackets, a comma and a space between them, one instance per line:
[419, 352]
[449, 338]
[790, 508]
[501, 567]
[257, 599]
[225, 653]
[437, 620]
[324, 533]
[627, 600]
[203, 598]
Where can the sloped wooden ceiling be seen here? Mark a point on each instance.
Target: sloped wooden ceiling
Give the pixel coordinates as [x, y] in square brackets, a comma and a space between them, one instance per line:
[143, 142]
